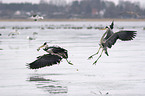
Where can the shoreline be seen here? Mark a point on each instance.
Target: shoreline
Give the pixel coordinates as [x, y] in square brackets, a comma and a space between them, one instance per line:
[72, 20]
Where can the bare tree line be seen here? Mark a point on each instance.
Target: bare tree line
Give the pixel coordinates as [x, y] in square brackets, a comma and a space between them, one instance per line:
[82, 9]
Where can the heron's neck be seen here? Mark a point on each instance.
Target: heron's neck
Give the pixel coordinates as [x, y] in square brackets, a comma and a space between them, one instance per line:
[103, 36]
[46, 47]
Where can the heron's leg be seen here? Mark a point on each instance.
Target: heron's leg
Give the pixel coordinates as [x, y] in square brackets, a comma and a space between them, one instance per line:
[95, 53]
[69, 62]
[98, 57]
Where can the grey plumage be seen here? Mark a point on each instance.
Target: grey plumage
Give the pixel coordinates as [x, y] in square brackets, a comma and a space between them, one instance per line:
[45, 60]
[123, 35]
[54, 56]
[109, 38]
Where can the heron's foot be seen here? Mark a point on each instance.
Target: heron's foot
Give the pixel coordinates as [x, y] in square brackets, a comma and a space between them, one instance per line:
[90, 57]
[69, 62]
[95, 62]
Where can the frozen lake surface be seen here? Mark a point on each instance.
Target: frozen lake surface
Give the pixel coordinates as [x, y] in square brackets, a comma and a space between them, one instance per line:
[122, 73]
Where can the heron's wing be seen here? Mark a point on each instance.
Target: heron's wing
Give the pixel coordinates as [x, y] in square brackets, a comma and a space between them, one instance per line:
[122, 35]
[45, 60]
[57, 49]
[126, 35]
[60, 51]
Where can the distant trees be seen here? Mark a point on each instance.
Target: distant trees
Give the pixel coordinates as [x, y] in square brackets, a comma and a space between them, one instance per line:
[77, 9]
[86, 8]
[124, 9]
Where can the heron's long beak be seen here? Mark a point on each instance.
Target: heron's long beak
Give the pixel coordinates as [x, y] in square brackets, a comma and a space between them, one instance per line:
[40, 47]
[103, 29]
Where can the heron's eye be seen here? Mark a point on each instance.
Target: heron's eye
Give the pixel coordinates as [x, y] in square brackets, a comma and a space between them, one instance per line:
[45, 43]
[106, 27]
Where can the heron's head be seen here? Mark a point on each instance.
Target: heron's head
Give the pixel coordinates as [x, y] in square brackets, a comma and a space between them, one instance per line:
[45, 44]
[106, 27]
[109, 27]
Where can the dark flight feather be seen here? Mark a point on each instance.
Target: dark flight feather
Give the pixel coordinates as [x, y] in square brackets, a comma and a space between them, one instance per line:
[45, 60]
[122, 35]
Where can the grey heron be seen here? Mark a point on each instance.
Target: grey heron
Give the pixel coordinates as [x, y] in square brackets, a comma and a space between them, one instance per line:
[109, 38]
[14, 33]
[36, 17]
[33, 37]
[54, 56]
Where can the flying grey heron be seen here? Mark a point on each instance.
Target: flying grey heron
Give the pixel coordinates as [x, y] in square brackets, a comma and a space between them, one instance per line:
[54, 56]
[36, 17]
[109, 38]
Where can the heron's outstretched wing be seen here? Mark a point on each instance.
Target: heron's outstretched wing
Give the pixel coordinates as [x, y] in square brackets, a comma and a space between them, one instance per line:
[122, 35]
[126, 35]
[45, 60]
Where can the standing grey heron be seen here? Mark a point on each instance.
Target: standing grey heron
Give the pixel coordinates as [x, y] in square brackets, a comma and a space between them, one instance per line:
[14, 33]
[54, 56]
[33, 37]
[109, 38]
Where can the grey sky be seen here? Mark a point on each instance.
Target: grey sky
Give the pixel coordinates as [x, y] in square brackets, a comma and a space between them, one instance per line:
[116, 1]
[37, 1]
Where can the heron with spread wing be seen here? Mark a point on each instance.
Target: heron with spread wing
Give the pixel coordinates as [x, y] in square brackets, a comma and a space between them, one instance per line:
[109, 38]
[54, 56]
[36, 17]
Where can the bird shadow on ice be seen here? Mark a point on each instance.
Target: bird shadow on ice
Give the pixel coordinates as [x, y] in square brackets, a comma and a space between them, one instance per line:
[48, 85]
